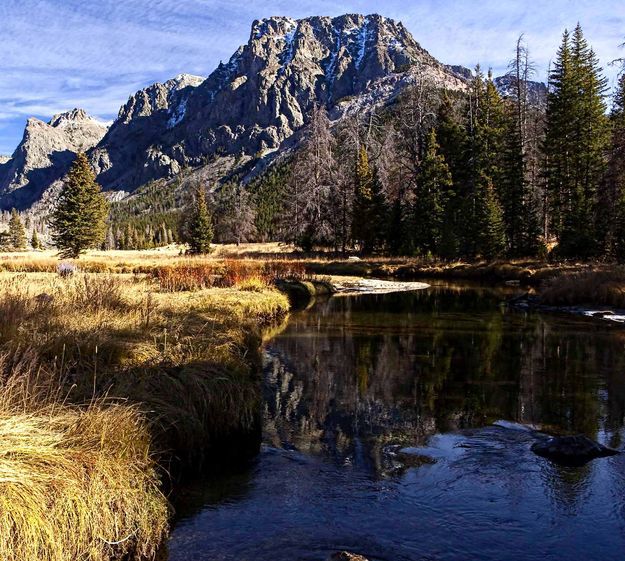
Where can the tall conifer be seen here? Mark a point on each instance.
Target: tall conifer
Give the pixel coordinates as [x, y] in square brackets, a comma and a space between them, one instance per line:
[17, 234]
[575, 145]
[200, 227]
[433, 185]
[79, 220]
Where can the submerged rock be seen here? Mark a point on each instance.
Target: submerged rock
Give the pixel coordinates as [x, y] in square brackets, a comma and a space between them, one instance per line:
[346, 556]
[571, 450]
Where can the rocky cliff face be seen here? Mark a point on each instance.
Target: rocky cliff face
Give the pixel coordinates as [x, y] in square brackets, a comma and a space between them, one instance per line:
[249, 106]
[130, 153]
[257, 100]
[44, 154]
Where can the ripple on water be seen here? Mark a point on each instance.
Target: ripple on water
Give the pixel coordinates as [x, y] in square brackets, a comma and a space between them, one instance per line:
[487, 497]
[359, 382]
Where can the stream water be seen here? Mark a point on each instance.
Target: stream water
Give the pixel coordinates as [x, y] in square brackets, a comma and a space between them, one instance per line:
[353, 380]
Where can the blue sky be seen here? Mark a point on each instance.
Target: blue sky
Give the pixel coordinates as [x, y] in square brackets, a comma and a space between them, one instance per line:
[60, 54]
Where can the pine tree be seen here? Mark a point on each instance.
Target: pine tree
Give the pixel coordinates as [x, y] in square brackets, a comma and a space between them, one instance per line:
[79, 220]
[613, 201]
[34, 241]
[481, 211]
[517, 193]
[200, 227]
[378, 214]
[575, 145]
[396, 239]
[492, 236]
[433, 185]
[17, 234]
[453, 141]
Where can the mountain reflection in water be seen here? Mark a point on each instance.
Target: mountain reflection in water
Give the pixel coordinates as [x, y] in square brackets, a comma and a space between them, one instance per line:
[351, 381]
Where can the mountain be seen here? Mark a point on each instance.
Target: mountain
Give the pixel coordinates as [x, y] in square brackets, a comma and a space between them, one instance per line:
[44, 154]
[536, 91]
[249, 107]
[128, 156]
[255, 102]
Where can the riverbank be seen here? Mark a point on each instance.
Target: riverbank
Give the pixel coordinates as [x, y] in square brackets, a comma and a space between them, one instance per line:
[112, 385]
[134, 368]
[597, 294]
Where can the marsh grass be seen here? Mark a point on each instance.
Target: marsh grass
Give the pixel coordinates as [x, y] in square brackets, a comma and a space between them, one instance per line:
[75, 482]
[594, 287]
[105, 376]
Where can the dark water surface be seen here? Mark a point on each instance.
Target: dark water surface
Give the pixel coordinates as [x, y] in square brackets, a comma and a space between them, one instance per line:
[354, 379]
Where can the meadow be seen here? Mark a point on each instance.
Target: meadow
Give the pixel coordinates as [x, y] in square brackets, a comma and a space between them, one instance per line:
[113, 384]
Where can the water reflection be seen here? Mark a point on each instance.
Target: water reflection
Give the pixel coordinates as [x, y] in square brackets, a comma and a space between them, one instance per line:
[351, 381]
[408, 365]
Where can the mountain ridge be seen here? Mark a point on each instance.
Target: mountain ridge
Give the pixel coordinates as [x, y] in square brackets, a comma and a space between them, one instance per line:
[250, 107]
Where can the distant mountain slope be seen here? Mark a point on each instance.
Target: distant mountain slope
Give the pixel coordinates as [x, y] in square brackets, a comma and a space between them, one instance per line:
[44, 154]
[536, 91]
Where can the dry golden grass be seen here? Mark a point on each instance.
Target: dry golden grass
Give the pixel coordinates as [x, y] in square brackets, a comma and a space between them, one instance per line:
[595, 287]
[75, 483]
[166, 374]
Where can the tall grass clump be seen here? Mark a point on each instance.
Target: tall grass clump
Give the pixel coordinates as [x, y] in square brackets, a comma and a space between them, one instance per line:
[75, 483]
[199, 274]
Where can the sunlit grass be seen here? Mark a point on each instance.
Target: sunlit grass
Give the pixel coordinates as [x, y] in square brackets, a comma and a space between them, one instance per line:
[104, 376]
[75, 482]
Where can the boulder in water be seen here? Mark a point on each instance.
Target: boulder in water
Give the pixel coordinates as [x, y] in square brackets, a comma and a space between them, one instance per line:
[346, 556]
[571, 450]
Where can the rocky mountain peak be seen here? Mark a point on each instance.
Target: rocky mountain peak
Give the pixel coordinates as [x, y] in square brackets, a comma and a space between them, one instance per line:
[255, 102]
[262, 95]
[44, 154]
[73, 116]
[156, 97]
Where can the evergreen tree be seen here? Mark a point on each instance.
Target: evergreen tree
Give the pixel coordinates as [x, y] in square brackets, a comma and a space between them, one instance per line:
[79, 219]
[481, 211]
[453, 140]
[378, 215]
[34, 241]
[575, 145]
[433, 185]
[370, 213]
[396, 236]
[492, 235]
[613, 203]
[200, 226]
[17, 234]
[517, 193]
[269, 194]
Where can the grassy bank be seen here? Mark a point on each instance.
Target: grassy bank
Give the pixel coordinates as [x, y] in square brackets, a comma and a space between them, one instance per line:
[588, 288]
[264, 260]
[110, 382]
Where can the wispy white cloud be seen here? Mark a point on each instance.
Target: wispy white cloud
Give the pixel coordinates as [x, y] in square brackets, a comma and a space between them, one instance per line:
[58, 54]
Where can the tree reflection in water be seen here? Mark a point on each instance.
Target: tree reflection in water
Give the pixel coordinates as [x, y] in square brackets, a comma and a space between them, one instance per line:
[354, 374]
